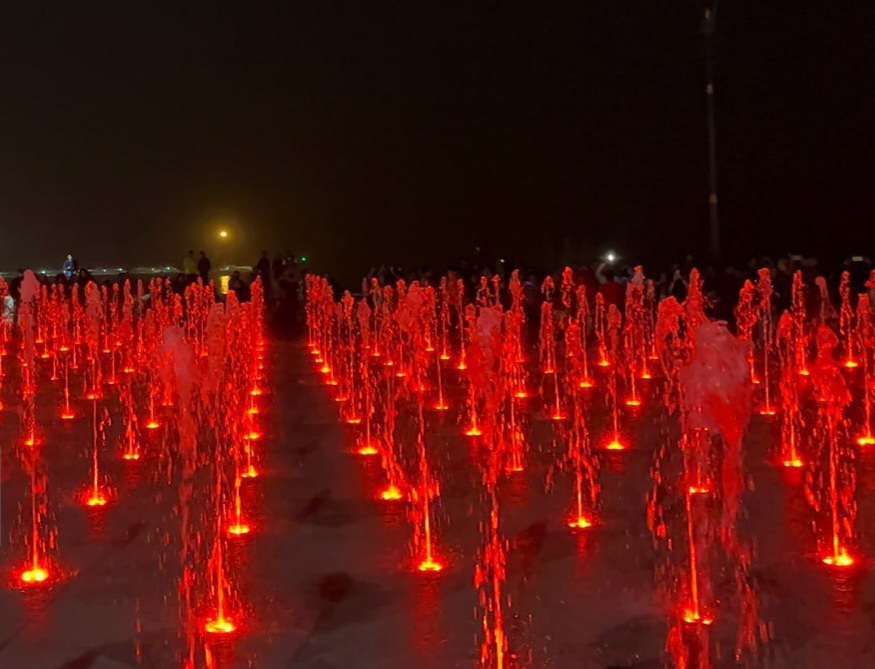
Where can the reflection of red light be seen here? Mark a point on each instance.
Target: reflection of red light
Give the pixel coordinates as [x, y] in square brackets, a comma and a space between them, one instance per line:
[391, 493]
[35, 575]
[429, 564]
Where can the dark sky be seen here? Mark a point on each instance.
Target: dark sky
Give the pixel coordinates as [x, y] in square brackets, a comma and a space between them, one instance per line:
[411, 131]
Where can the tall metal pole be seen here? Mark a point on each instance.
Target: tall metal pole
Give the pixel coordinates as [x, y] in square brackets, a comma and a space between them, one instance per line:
[708, 26]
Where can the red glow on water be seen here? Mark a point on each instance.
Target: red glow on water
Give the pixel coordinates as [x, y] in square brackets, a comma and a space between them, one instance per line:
[34, 576]
[220, 626]
[694, 618]
[391, 493]
[840, 558]
[96, 499]
[579, 523]
[238, 530]
[430, 565]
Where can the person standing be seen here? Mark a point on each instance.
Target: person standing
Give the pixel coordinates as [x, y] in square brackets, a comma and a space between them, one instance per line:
[189, 266]
[263, 270]
[70, 268]
[203, 267]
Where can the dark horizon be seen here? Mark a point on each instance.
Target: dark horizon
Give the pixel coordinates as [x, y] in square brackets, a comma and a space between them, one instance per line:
[411, 134]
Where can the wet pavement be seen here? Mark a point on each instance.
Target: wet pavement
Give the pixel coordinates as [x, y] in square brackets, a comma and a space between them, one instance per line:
[327, 578]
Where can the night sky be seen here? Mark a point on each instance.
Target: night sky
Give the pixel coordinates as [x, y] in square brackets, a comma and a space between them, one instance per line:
[409, 132]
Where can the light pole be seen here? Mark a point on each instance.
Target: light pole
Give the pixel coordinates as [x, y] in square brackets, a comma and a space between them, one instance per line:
[708, 26]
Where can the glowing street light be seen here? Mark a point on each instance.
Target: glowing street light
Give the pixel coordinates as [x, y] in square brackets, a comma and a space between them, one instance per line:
[223, 234]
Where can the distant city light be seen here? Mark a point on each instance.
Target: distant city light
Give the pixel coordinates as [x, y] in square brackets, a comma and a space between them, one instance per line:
[223, 234]
[303, 258]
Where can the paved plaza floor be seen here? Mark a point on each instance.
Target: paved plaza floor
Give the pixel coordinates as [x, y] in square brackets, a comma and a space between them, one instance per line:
[325, 576]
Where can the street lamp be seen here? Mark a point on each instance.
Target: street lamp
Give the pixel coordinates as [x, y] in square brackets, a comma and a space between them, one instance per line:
[223, 234]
